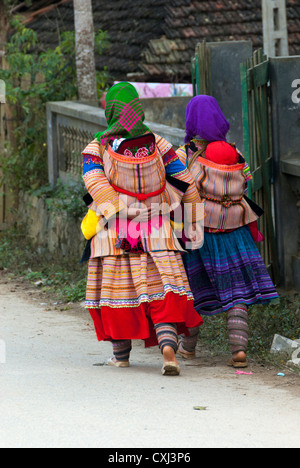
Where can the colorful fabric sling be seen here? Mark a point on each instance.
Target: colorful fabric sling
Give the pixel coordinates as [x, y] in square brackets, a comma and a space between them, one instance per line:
[124, 114]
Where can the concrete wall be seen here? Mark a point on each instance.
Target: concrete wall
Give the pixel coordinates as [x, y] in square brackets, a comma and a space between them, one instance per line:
[71, 126]
[167, 111]
[58, 235]
[219, 76]
[225, 59]
[61, 234]
[285, 74]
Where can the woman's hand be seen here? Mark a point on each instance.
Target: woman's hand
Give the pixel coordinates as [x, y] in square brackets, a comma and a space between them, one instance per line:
[195, 234]
[141, 214]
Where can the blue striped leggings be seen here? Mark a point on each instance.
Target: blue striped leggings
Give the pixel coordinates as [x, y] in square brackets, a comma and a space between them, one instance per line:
[166, 334]
[238, 328]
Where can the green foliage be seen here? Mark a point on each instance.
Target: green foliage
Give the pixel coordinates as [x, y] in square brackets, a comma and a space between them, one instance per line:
[68, 286]
[103, 77]
[33, 78]
[280, 317]
[12, 3]
[66, 278]
[64, 198]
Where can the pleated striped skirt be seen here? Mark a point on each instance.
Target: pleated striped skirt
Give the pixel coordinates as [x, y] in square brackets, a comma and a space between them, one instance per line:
[128, 295]
[228, 270]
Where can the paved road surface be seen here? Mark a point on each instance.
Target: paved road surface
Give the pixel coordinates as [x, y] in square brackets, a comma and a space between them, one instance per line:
[56, 392]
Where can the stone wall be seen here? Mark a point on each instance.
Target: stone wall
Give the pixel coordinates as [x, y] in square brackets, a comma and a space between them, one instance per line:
[285, 90]
[71, 126]
[167, 111]
[50, 233]
[61, 235]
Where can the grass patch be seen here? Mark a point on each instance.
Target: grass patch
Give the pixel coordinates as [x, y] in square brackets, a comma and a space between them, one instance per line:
[281, 317]
[67, 278]
[62, 276]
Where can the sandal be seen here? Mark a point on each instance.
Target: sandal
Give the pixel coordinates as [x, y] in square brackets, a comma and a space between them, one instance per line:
[170, 368]
[185, 354]
[113, 363]
[237, 364]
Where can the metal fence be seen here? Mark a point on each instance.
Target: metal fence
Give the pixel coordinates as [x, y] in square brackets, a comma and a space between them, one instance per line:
[255, 73]
[213, 67]
[71, 127]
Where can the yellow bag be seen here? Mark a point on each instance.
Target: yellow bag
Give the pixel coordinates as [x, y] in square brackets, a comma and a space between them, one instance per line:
[89, 224]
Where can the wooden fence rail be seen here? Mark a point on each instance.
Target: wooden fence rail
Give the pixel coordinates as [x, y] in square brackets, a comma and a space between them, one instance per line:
[255, 77]
[255, 130]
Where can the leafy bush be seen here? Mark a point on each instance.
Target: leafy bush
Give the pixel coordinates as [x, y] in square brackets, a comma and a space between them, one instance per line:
[67, 279]
[63, 276]
[33, 78]
[64, 198]
[280, 317]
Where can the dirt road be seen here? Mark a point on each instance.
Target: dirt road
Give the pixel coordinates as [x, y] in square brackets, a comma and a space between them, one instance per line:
[56, 392]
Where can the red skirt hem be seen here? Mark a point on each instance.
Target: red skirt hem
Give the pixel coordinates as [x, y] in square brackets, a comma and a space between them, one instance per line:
[137, 323]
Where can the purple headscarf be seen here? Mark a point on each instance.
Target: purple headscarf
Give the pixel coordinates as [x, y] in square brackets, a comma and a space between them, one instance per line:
[205, 119]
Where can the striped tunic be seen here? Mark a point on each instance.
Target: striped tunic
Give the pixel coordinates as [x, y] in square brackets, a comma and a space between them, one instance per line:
[228, 270]
[222, 189]
[104, 168]
[118, 280]
[130, 280]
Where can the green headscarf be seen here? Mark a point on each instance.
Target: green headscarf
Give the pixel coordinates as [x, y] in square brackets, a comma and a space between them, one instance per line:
[124, 113]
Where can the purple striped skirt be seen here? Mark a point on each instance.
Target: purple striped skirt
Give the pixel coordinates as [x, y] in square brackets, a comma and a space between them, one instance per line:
[228, 270]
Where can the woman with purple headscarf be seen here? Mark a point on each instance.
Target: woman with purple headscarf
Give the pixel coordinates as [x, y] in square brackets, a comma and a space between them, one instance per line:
[227, 274]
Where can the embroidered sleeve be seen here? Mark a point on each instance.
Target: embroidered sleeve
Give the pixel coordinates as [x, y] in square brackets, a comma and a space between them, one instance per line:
[247, 172]
[97, 184]
[91, 163]
[166, 150]
[248, 177]
[170, 157]
[191, 198]
[106, 198]
[174, 167]
[181, 153]
[163, 145]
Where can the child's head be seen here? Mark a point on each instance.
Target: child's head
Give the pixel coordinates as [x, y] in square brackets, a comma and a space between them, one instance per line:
[221, 152]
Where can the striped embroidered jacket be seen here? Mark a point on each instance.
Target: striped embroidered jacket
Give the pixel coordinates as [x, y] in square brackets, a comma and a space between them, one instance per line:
[106, 171]
[222, 189]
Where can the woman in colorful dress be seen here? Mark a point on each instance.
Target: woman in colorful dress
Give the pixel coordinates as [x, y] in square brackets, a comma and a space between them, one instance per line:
[227, 274]
[137, 287]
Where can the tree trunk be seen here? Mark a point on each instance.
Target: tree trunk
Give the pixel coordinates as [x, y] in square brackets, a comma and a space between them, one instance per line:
[3, 25]
[4, 111]
[85, 51]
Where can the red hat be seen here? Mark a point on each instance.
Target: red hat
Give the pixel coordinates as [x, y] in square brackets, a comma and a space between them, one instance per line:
[221, 152]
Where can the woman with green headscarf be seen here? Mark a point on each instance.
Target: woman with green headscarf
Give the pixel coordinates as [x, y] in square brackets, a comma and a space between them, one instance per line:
[137, 286]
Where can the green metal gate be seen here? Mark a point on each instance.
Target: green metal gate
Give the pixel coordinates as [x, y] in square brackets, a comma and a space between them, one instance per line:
[256, 103]
[256, 98]
[199, 70]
